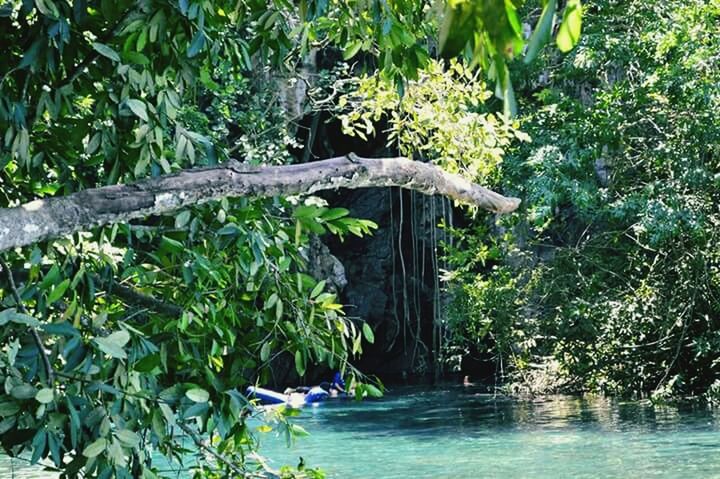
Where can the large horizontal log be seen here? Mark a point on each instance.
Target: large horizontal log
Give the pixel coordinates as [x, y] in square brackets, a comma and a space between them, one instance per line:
[54, 217]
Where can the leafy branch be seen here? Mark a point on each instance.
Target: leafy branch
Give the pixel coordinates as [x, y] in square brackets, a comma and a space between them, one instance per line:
[31, 329]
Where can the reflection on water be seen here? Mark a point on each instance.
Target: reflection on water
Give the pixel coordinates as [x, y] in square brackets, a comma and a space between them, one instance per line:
[456, 432]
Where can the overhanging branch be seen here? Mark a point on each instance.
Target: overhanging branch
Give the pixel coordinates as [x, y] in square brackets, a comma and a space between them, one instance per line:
[33, 332]
[136, 298]
[54, 217]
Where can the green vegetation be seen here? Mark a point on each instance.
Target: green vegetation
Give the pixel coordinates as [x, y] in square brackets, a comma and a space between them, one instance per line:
[607, 279]
[117, 341]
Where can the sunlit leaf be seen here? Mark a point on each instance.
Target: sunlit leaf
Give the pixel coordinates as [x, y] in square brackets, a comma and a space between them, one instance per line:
[96, 448]
[300, 363]
[368, 333]
[44, 396]
[569, 32]
[106, 51]
[351, 49]
[139, 108]
[58, 291]
[541, 34]
[197, 395]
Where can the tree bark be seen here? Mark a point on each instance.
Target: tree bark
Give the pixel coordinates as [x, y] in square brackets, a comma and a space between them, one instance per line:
[54, 217]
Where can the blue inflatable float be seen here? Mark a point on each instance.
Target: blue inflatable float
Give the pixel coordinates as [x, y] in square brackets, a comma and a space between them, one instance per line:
[267, 396]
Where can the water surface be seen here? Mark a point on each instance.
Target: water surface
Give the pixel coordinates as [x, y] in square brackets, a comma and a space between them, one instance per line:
[457, 432]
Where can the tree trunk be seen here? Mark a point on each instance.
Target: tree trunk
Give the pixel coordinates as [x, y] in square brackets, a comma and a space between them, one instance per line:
[54, 217]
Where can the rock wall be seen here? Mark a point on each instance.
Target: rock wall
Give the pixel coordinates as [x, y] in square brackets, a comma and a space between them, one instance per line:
[391, 279]
[396, 301]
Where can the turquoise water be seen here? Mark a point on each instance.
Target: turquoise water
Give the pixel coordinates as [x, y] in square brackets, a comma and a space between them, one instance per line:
[459, 433]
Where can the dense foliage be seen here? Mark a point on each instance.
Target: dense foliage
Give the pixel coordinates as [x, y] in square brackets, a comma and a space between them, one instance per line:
[95, 94]
[442, 117]
[608, 279]
[118, 341]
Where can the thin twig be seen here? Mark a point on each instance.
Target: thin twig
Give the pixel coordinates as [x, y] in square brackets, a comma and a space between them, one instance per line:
[201, 445]
[33, 331]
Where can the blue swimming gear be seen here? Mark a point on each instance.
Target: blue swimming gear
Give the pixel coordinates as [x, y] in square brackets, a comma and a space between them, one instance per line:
[316, 394]
[338, 379]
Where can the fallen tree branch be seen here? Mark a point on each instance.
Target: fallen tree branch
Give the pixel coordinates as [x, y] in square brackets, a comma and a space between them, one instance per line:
[54, 217]
[33, 332]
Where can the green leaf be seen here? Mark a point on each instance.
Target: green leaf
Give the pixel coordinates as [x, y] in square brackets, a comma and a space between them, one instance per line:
[265, 351]
[197, 409]
[334, 213]
[58, 291]
[60, 329]
[148, 363]
[96, 448]
[173, 393]
[75, 425]
[106, 51]
[351, 49]
[306, 212]
[23, 391]
[116, 454]
[30, 56]
[541, 35]
[317, 289]
[20, 318]
[142, 40]
[509, 102]
[6, 316]
[298, 431]
[136, 58]
[372, 391]
[50, 278]
[171, 245]
[139, 108]
[54, 446]
[368, 333]
[278, 309]
[38, 445]
[164, 164]
[510, 11]
[569, 32]
[229, 229]
[197, 395]
[270, 302]
[128, 438]
[113, 344]
[197, 44]
[300, 363]
[45, 396]
[119, 338]
[7, 424]
[458, 26]
[182, 219]
[357, 345]
[47, 8]
[9, 407]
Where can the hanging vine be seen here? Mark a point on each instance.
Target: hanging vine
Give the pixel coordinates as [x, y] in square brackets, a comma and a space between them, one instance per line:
[391, 236]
